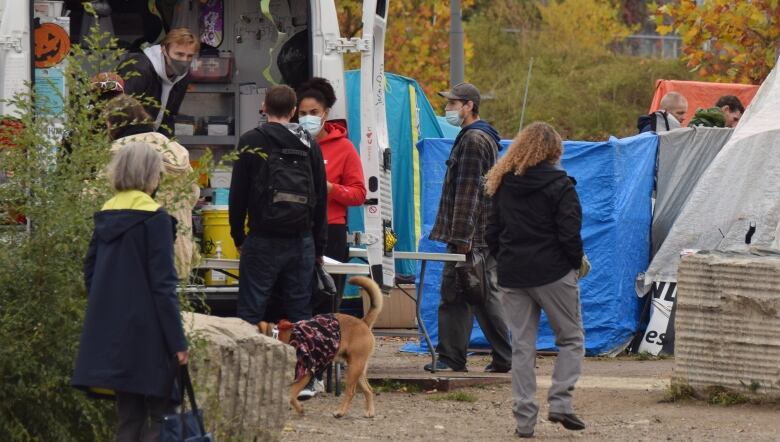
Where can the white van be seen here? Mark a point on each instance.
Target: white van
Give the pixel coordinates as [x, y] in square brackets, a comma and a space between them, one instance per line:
[269, 42]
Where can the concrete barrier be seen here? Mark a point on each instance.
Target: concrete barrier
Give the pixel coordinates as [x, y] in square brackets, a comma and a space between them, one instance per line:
[242, 378]
[728, 322]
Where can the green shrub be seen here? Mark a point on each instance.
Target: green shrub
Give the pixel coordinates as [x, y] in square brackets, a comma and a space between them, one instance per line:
[586, 94]
[42, 294]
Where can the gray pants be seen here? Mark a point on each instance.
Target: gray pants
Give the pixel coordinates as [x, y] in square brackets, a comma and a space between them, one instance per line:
[560, 300]
[456, 319]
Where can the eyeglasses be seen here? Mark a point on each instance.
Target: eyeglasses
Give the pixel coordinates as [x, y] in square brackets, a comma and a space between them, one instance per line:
[110, 85]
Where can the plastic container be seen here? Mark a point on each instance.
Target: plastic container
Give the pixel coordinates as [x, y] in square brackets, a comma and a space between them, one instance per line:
[220, 196]
[184, 125]
[219, 125]
[217, 242]
[212, 69]
[221, 178]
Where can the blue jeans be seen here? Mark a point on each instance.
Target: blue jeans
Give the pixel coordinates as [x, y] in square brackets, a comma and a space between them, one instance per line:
[285, 264]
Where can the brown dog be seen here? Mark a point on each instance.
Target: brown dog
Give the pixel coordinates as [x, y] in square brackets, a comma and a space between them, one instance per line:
[355, 346]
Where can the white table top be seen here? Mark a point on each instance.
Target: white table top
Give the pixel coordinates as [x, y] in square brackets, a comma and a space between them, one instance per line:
[356, 252]
[331, 266]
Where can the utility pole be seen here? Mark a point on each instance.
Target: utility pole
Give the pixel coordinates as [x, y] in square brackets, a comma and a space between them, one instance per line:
[456, 44]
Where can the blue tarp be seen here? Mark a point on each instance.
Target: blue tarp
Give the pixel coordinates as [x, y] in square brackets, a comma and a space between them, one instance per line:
[400, 122]
[614, 183]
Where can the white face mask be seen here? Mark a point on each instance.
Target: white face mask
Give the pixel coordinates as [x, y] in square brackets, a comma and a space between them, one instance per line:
[311, 123]
[454, 118]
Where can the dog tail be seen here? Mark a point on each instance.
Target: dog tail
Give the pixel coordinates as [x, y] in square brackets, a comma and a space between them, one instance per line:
[374, 295]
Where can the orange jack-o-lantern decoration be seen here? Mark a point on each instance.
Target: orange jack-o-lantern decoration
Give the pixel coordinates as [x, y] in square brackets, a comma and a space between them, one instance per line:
[52, 45]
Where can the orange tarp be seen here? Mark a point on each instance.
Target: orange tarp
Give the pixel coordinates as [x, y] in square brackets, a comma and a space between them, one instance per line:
[701, 94]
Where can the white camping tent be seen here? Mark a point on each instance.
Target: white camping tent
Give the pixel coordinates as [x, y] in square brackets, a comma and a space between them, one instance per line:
[739, 189]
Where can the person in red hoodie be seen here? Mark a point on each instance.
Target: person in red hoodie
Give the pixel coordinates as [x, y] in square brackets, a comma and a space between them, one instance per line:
[346, 185]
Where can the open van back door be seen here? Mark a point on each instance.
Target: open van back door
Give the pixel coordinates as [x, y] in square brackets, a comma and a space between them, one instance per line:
[327, 50]
[374, 146]
[15, 55]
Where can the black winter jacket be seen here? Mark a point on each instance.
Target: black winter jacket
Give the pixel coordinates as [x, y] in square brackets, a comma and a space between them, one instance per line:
[145, 82]
[534, 227]
[250, 168]
[132, 327]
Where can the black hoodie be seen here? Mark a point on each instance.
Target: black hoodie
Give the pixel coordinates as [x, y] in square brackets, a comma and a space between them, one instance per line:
[534, 227]
[251, 167]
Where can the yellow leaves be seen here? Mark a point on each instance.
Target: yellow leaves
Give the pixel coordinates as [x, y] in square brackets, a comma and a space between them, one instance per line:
[588, 25]
[724, 39]
[664, 29]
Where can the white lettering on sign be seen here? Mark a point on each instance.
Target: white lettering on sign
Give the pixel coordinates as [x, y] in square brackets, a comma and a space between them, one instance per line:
[664, 296]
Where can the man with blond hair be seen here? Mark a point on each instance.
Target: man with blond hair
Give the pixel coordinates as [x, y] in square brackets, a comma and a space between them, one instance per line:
[162, 73]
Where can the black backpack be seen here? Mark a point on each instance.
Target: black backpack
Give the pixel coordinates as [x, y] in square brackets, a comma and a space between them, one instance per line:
[285, 188]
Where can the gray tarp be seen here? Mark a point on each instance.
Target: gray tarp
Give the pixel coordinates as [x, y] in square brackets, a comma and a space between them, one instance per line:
[742, 185]
[683, 156]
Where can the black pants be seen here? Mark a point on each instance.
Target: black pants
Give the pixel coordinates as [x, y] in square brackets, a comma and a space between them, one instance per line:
[271, 263]
[139, 417]
[456, 318]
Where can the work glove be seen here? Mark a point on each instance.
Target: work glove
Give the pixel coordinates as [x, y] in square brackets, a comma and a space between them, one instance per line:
[584, 268]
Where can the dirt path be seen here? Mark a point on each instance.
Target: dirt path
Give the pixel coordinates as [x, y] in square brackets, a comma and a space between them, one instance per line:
[620, 399]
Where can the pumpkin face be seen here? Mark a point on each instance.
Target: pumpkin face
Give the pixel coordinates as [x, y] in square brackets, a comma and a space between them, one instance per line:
[52, 45]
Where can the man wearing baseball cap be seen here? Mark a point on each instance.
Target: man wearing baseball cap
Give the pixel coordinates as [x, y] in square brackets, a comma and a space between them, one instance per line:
[460, 223]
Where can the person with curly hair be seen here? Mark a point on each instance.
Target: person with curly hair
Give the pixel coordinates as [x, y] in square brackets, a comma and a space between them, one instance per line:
[534, 232]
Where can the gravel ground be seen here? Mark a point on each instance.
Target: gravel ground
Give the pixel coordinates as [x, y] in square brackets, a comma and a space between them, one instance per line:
[620, 399]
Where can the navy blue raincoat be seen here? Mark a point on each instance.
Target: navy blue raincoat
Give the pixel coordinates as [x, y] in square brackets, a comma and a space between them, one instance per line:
[132, 329]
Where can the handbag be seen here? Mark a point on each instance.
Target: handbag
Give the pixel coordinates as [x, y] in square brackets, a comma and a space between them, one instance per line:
[324, 287]
[472, 279]
[187, 425]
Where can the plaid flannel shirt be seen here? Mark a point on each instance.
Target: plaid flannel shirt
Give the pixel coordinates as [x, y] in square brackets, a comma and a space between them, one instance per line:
[464, 207]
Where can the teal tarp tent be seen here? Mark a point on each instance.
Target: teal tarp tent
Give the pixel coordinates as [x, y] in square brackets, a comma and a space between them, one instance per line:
[410, 118]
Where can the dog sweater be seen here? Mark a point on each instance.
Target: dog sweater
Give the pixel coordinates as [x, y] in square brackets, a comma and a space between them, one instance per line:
[316, 342]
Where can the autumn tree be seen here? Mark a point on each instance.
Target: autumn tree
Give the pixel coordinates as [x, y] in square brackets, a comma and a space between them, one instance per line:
[417, 41]
[725, 40]
[588, 26]
[578, 83]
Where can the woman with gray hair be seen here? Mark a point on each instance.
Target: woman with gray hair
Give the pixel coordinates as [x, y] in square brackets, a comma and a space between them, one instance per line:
[133, 339]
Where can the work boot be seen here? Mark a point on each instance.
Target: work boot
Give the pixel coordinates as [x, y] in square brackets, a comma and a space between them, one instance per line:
[570, 421]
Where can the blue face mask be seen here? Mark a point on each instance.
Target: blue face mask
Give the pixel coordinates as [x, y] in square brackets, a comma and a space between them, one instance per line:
[311, 123]
[454, 118]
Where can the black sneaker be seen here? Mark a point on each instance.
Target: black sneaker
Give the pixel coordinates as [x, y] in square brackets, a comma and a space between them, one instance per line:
[522, 435]
[309, 391]
[493, 368]
[441, 366]
[569, 421]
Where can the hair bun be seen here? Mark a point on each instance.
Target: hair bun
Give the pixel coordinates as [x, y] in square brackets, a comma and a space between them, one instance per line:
[320, 85]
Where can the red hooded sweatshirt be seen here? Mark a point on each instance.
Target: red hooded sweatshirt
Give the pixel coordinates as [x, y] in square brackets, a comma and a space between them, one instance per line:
[344, 170]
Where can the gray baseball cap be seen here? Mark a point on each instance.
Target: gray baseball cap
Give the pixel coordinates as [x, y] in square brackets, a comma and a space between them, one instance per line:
[462, 91]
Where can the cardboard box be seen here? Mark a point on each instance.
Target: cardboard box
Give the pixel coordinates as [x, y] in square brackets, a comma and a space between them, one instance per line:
[398, 310]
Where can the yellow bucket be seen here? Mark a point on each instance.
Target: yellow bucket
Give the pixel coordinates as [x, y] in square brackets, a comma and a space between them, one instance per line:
[216, 232]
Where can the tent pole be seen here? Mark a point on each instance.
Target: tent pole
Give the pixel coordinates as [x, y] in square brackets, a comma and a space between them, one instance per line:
[525, 95]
